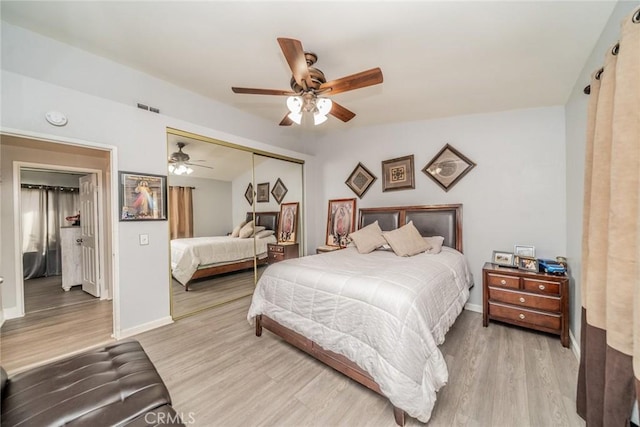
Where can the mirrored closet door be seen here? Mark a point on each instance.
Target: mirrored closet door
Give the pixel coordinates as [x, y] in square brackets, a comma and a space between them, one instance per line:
[220, 225]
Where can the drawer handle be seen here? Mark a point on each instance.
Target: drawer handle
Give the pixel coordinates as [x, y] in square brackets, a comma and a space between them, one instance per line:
[521, 316]
[541, 287]
[521, 299]
[503, 282]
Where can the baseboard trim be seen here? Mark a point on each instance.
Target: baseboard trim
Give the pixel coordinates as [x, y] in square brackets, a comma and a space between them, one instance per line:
[473, 307]
[575, 347]
[126, 333]
[11, 313]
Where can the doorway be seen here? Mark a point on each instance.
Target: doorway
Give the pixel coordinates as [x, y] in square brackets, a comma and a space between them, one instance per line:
[31, 337]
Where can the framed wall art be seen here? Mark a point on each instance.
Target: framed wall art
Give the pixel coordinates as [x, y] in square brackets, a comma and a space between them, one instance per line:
[360, 180]
[288, 222]
[248, 194]
[398, 174]
[279, 191]
[448, 167]
[341, 220]
[143, 197]
[262, 195]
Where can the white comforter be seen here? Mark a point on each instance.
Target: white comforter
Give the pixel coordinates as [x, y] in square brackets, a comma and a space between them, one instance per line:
[189, 254]
[386, 313]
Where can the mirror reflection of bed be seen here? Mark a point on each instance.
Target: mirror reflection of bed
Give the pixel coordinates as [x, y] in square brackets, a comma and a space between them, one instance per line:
[209, 266]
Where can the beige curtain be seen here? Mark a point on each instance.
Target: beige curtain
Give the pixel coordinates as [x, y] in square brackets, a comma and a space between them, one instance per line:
[180, 212]
[610, 338]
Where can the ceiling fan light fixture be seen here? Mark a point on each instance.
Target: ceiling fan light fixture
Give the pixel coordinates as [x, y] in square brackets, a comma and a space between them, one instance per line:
[318, 119]
[295, 117]
[294, 104]
[180, 169]
[324, 106]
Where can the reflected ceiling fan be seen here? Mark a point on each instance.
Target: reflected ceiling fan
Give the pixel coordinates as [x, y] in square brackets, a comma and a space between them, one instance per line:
[180, 164]
[309, 87]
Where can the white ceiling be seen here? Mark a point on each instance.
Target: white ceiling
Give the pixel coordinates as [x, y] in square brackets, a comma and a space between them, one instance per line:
[438, 58]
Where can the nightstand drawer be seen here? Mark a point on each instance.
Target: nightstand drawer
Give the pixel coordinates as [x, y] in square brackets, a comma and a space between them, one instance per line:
[504, 281]
[275, 257]
[276, 248]
[538, 302]
[541, 286]
[523, 316]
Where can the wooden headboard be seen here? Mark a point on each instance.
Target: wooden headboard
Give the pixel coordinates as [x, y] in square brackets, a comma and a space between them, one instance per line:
[269, 220]
[435, 220]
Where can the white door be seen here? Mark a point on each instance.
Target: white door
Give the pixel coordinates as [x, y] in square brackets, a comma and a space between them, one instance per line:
[89, 234]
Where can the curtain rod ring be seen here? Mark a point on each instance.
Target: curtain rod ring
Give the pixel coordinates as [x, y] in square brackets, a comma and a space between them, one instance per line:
[587, 90]
[616, 49]
[599, 73]
[636, 17]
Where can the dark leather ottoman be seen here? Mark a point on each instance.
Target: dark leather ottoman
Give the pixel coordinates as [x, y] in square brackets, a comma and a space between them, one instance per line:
[116, 385]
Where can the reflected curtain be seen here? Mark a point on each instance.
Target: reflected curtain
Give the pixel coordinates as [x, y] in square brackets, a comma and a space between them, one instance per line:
[181, 212]
[43, 213]
[610, 334]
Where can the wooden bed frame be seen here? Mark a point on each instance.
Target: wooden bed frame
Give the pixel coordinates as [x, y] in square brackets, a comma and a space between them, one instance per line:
[265, 219]
[435, 220]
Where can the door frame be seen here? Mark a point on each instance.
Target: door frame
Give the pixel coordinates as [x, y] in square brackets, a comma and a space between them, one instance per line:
[112, 291]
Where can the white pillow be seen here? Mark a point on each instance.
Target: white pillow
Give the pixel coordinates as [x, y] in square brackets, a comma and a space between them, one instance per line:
[258, 229]
[264, 233]
[236, 229]
[246, 230]
[406, 240]
[368, 238]
[435, 244]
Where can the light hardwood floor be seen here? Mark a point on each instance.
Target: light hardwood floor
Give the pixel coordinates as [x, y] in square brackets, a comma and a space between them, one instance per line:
[46, 292]
[220, 374]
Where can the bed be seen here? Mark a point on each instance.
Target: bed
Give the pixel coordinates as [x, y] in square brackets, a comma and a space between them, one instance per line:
[377, 318]
[202, 257]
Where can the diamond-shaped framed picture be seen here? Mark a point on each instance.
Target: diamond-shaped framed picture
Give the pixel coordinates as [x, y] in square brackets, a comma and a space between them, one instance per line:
[279, 191]
[248, 194]
[448, 167]
[360, 180]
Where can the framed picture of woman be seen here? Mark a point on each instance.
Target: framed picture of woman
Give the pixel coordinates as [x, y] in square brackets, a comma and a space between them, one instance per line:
[288, 223]
[341, 220]
[143, 197]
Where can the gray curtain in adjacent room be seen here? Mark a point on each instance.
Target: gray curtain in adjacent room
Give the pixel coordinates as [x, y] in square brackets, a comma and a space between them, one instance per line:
[43, 213]
[610, 335]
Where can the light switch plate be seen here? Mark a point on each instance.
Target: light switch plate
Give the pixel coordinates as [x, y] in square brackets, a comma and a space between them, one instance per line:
[144, 239]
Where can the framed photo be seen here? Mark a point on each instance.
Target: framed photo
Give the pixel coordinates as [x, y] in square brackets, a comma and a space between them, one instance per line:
[248, 194]
[360, 180]
[279, 191]
[526, 251]
[448, 167]
[398, 174]
[527, 263]
[288, 222]
[341, 220]
[505, 259]
[262, 195]
[143, 197]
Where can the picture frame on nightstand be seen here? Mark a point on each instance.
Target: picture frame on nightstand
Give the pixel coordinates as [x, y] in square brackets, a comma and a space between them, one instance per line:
[527, 263]
[503, 259]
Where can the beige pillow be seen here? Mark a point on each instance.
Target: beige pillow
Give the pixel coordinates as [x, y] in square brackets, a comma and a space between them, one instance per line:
[246, 230]
[369, 238]
[257, 229]
[264, 233]
[236, 229]
[435, 244]
[406, 240]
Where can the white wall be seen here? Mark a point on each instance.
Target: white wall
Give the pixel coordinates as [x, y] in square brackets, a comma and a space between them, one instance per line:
[138, 136]
[50, 178]
[576, 129]
[515, 194]
[211, 204]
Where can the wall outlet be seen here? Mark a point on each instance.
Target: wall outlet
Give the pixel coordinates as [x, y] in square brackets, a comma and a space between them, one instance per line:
[144, 239]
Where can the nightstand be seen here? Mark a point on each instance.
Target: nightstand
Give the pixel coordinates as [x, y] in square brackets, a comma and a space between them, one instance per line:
[324, 249]
[281, 251]
[532, 300]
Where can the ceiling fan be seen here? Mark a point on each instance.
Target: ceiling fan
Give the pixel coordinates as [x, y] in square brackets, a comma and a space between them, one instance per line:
[308, 85]
[180, 164]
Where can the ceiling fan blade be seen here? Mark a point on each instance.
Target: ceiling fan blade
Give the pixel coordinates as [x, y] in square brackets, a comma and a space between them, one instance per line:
[294, 54]
[262, 91]
[200, 166]
[355, 81]
[286, 121]
[339, 112]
